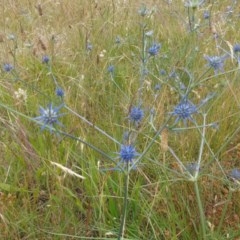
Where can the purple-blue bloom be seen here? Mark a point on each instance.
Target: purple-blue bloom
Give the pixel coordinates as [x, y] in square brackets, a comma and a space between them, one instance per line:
[145, 71]
[117, 40]
[45, 59]
[127, 153]
[143, 11]
[89, 46]
[136, 114]
[184, 110]
[7, 67]
[216, 62]
[236, 48]
[206, 14]
[235, 174]
[157, 87]
[111, 69]
[154, 49]
[60, 92]
[49, 116]
[162, 72]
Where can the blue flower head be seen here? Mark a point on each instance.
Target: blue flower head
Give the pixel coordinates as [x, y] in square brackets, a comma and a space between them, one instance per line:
[45, 59]
[154, 49]
[162, 72]
[216, 62]
[157, 87]
[143, 11]
[136, 114]
[111, 69]
[127, 153]
[117, 40]
[7, 67]
[206, 14]
[235, 174]
[60, 92]
[89, 46]
[49, 116]
[145, 72]
[236, 48]
[184, 110]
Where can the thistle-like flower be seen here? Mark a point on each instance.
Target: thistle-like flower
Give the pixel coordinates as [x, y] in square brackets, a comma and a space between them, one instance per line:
[216, 62]
[126, 157]
[127, 153]
[111, 69]
[60, 92]
[136, 114]
[45, 59]
[236, 48]
[184, 111]
[143, 11]
[49, 116]
[154, 49]
[118, 40]
[89, 47]
[7, 67]
[235, 174]
[206, 14]
[162, 72]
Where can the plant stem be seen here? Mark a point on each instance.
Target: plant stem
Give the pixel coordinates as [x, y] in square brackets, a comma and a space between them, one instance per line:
[152, 141]
[224, 211]
[92, 125]
[201, 145]
[143, 66]
[201, 211]
[125, 203]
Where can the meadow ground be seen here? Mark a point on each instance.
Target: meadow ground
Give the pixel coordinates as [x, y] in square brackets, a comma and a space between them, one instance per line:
[119, 119]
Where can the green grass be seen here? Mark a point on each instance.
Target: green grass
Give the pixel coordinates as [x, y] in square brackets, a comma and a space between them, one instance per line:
[39, 200]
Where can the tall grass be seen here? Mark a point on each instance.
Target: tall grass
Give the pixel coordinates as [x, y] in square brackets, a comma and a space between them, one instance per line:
[91, 167]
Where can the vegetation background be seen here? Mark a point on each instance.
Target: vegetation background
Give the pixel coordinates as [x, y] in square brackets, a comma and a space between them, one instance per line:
[42, 194]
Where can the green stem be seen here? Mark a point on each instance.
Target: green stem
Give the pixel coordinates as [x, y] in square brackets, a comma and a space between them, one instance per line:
[143, 65]
[59, 132]
[92, 125]
[224, 211]
[116, 84]
[201, 211]
[152, 141]
[125, 204]
[203, 140]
